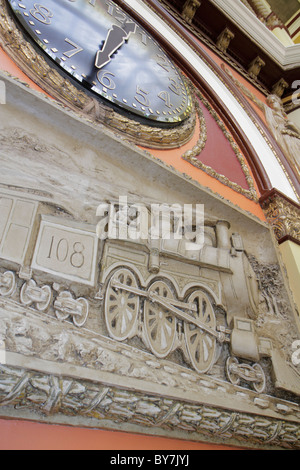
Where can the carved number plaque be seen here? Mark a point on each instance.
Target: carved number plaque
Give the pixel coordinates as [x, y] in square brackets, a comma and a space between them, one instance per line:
[67, 252]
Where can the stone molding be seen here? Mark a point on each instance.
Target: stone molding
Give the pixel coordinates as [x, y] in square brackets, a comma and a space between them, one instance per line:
[57, 398]
[286, 57]
[126, 389]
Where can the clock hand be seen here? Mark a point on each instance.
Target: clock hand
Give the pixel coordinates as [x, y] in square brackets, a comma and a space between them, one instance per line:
[116, 37]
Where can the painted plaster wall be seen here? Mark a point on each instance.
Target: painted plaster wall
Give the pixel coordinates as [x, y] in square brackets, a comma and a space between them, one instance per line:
[21, 435]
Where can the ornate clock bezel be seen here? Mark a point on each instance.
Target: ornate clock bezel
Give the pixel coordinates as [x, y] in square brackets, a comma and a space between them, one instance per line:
[51, 79]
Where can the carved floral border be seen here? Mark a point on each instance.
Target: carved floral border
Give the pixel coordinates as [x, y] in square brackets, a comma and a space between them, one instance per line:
[60, 397]
[283, 215]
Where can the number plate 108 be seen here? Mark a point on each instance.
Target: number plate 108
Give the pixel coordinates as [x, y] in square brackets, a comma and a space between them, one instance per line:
[68, 252]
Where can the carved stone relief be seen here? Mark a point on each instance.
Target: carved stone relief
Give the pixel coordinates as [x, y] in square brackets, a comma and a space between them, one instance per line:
[224, 40]
[255, 67]
[48, 395]
[279, 87]
[189, 9]
[158, 311]
[107, 322]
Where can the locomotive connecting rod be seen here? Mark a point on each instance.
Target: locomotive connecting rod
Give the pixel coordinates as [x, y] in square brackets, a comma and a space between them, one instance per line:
[183, 316]
[171, 305]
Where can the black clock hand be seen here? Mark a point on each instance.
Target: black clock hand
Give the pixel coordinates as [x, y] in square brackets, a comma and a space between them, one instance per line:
[116, 37]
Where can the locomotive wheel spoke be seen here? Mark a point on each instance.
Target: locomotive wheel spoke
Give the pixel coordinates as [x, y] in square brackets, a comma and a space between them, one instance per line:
[231, 370]
[121, 307]
[160, 324]
[260, 384]
[201, 345]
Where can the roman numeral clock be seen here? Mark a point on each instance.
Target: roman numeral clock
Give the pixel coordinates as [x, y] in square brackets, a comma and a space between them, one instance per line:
[106, 53]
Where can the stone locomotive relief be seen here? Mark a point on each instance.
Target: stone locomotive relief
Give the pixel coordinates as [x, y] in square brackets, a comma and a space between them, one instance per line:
[193, 315]
[104, 324]
[93, 307]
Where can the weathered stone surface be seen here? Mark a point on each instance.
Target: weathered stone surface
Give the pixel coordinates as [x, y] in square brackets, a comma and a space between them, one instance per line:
[146, 334]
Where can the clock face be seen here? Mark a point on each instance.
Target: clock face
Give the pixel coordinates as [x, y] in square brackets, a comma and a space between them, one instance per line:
[105, 50]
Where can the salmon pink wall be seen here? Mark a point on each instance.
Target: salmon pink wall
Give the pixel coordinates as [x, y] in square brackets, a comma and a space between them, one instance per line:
[7, 65]
[22, 435]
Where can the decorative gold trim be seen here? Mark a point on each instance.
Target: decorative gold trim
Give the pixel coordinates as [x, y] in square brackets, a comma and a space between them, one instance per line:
[49, 79]
[283, 215]
[192, 156]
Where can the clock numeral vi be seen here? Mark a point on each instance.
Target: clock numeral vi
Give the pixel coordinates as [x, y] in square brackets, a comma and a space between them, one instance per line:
[41, 13]
[106, 79]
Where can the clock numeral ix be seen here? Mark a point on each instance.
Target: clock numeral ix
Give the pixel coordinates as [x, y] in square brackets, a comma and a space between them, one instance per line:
[41, 13]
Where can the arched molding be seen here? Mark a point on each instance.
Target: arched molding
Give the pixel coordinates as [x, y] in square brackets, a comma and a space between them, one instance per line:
[264, 156]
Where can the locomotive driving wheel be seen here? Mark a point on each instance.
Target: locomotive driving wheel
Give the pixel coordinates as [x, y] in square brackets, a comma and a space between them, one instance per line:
[121, 307]
[260, 382]
[252, 374]
[200, 344]
[159, 322]
[232, 370]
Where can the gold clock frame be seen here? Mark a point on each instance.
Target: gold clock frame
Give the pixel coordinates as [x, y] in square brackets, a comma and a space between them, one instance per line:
[33, 63]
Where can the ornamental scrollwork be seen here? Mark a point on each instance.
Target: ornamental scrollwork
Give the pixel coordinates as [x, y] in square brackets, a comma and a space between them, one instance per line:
[283, 215]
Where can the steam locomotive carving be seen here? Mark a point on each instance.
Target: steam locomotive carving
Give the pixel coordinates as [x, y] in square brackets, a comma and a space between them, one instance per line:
[167, 290]
[194, 294]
